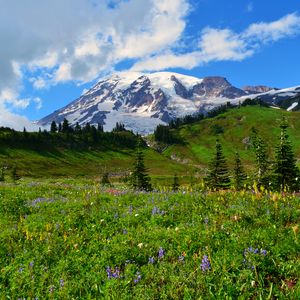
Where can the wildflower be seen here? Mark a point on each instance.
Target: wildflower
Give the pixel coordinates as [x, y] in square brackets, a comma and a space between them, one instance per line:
[263, 252]
[61, 282]
[205, 264]
[161, 252]
[51, 289]
[181, 258]
[31, 264]
[151, 261]
[125, 231]
[21, 270]
[138, 277]
[206, 221]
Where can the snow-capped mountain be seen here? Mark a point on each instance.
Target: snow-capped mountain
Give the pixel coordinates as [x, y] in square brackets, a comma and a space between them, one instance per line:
[142, 101]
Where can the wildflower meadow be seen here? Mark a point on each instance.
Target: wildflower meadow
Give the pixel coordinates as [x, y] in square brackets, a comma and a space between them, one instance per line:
[79, 241]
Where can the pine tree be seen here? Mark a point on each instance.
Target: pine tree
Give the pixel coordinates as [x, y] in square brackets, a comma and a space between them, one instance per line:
[285, 170]
[65, 126]
[175, 185]
[105, 179]
[53, 127]
[2, 176]
[14, 174]
[218, 177]
[261, 156]
[239, 176]
[139, 178]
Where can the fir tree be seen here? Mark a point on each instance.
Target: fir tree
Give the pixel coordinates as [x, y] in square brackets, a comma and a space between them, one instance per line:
[218, 176]
[175, 185]
[53, 127]
[59, 127]
[105, 179]
[239, 176]
[261, 156]
[2, 176]
[285, 170]
[14, 174]
[65, 126]
[139, 178]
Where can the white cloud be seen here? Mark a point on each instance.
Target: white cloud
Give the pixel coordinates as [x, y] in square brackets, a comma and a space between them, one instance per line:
[262, 32]
[224, 45]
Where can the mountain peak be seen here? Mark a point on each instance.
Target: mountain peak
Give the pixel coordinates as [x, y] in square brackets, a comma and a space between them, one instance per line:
[142, 101]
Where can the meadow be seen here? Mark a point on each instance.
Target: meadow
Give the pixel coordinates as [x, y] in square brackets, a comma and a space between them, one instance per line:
[73, 239]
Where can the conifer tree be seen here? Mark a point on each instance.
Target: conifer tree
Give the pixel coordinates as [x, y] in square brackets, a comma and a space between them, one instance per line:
[14, 174]
[65, 126]
[218, 177]
[175, 185]
[139, 178]
[105, 179]
[2, 176]
[53, 127]
[261, 156]
[285, 170]
[239, 175]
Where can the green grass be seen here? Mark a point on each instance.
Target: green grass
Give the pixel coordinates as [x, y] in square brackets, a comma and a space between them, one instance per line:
[59, 247]
[200, 137]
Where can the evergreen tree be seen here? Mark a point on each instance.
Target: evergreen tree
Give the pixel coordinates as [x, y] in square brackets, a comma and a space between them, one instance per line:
[239, 174]
[218, 176]
[261, 156]
[14, 174]
[77, 128]
[105, 179]
[65, 126]
[139, 178]
[175, 185]
[59, 127]
[285, 170]
[53, 127]
[2, 176]
[100, 127]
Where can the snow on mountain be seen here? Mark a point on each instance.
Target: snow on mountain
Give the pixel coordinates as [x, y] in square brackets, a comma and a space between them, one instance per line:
[143, 101]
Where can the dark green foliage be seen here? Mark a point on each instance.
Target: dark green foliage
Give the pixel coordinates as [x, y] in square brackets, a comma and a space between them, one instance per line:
[261, 155]
[105, 179]
[2, 175]
[163, 134]
[285, 170]
[14, 174]
[119, 127]
[139, 179]
[217, 129]
[65, 126]
[53, 127]
[239, 175]
[218, 176]
[175, 185]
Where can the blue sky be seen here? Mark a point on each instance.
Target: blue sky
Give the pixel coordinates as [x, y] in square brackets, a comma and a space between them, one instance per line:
[52, 50]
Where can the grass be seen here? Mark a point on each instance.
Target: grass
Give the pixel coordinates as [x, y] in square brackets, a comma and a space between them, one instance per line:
[236, 124]
[69, 239]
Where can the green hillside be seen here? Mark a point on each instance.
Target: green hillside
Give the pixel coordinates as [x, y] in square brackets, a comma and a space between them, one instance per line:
[233, 128]
[42, 155]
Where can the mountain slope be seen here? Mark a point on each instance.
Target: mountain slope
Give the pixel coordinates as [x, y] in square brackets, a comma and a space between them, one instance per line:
[142, 101]
[233, 128]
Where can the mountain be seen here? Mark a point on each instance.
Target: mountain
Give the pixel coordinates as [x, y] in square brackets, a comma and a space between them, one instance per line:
[142, 101]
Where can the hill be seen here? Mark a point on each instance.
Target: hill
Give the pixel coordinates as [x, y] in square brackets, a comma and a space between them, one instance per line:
[233, 128]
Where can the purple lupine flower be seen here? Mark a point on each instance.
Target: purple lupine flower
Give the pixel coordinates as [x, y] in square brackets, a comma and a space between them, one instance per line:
[151, 261]
[138, 277]
[21, 270]
[154, 211]
[116, 273]
[263, 252]
[61, 283]
[109, 272]
[206, 221]
[205, 264]
[255, 251]
[161, 252]
[31, 264]
[181, 258]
